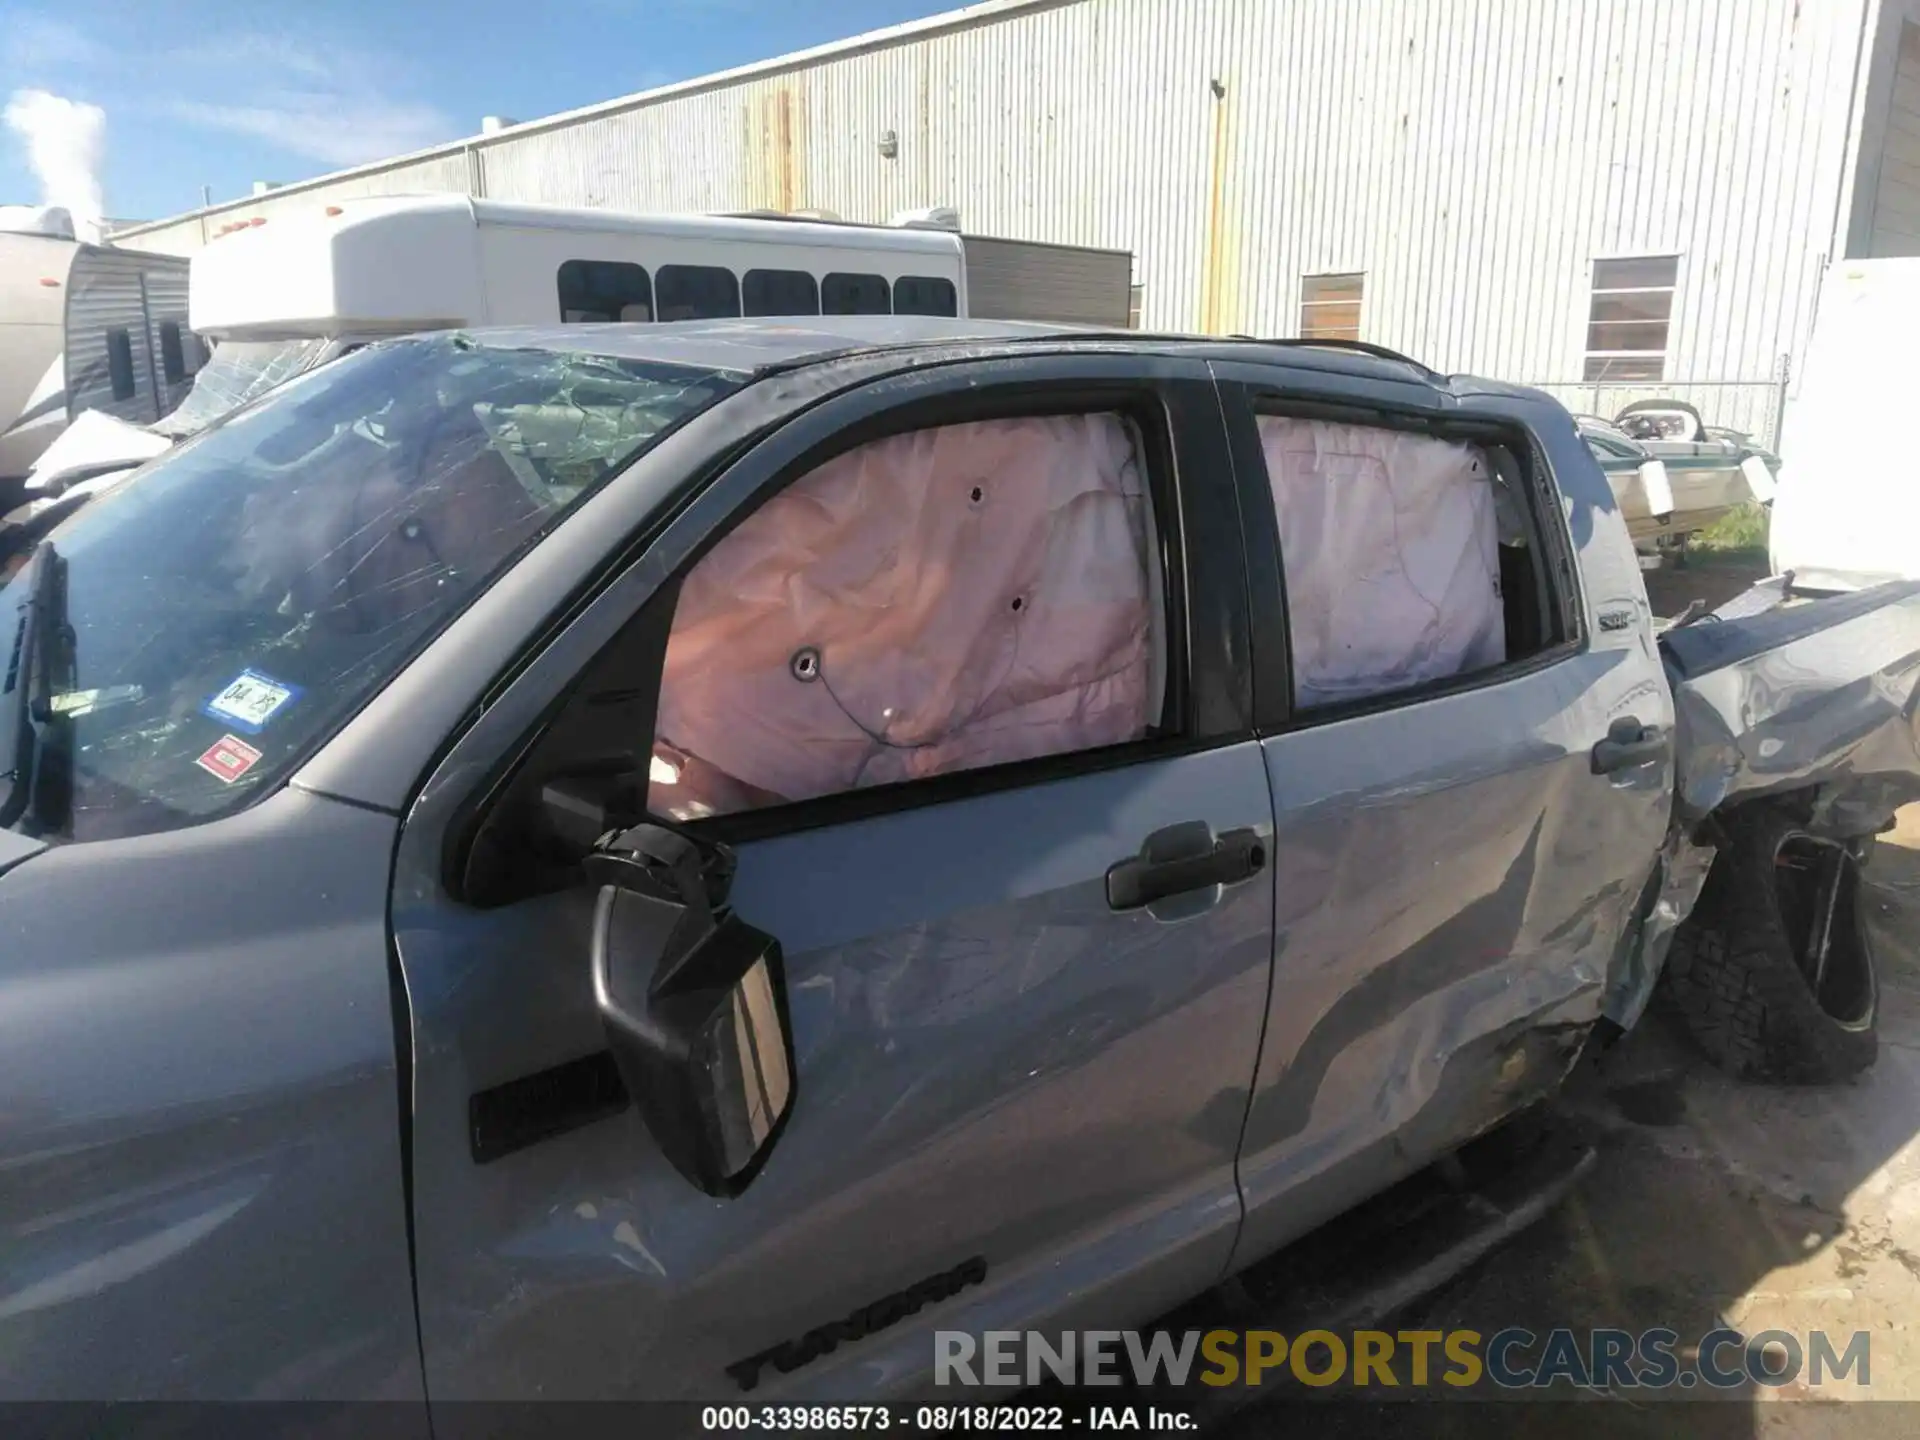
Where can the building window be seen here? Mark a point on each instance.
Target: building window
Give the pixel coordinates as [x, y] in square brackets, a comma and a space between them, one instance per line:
[855, 295]
[603, 292]
[120, 364]
[173, 354]
[697, 292]
[780, 292]
[925, 295]
[1330, 306]
[1627, 320]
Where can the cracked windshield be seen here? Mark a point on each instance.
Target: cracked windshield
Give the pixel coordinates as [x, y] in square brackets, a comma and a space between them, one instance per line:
[287, 563]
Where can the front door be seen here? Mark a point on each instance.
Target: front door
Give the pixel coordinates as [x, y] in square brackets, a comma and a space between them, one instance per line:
[934, 691]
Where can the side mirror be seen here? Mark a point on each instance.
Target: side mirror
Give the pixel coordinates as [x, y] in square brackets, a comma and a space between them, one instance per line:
[695, 1006]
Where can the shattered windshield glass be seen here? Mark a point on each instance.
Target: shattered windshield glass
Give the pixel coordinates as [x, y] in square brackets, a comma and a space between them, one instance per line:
[239, 371]
[242, 596]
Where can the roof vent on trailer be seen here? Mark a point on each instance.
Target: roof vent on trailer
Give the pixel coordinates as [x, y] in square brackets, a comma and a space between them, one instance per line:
[933, 217]
[55, 220]
[765, 213]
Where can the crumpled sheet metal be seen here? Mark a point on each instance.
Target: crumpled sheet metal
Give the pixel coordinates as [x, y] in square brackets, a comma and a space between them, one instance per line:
[1834, 708]
[1391, 541]
[936, 601]
[1681, 876]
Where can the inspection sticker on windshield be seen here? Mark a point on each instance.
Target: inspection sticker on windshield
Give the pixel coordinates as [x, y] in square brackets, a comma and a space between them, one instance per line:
[228, 758]
[249, 701]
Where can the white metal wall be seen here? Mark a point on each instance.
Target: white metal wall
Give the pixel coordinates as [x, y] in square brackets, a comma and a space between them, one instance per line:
[1470, 156]
[1896, 209]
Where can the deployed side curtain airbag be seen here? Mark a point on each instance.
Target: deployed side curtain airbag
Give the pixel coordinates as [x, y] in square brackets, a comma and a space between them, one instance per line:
[1391, 546]
[929, 602]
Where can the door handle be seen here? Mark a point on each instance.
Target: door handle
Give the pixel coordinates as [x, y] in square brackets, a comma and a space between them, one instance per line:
[1182, 858]
[1629, 743]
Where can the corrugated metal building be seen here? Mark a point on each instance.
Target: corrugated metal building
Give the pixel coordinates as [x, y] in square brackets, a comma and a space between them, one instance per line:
[1610, 196]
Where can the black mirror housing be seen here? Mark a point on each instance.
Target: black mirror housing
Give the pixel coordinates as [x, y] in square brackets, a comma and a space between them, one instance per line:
[694, 1004]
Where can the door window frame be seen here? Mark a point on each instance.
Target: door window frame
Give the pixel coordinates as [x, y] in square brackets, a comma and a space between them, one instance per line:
[1208, 700]
[1246, 395]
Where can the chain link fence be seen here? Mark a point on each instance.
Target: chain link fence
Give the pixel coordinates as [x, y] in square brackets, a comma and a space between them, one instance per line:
[1754, 407]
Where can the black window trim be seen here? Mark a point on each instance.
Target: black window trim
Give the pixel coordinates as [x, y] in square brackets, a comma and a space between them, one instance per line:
[1557, 574]
[123, 338]
[173, 352]
[1208, 701]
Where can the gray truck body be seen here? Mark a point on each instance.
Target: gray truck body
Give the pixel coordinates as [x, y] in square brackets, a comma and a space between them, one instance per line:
[240, 1060]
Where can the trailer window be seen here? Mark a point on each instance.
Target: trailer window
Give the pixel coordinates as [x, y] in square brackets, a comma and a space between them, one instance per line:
[855, 295]
[697, 292]
[781, 292]
[173, 355]
[925, 295]
[599, 292]
[120, 364]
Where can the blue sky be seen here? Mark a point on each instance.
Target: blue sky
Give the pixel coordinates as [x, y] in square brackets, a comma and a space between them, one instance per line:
[222, 93]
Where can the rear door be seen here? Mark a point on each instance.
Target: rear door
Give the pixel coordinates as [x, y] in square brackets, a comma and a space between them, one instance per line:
[930, 737]
[1452, 874]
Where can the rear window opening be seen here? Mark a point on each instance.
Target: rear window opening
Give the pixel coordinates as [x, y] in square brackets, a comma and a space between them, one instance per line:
[1411, 560]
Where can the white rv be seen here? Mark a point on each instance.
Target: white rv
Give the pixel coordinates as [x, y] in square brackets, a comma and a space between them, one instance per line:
[281, 295]
[83, 327]
[1848, 510]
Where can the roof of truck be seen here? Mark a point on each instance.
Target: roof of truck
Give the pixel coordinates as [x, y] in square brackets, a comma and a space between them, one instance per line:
[760, 344]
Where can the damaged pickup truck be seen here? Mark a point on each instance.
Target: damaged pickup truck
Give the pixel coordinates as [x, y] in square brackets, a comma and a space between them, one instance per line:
[668, 860]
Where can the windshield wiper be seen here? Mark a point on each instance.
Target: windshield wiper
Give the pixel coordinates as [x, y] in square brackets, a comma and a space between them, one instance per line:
[21, 529]
[36, 742]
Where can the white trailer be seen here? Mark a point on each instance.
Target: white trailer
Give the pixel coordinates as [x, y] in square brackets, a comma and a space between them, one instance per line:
[84, 327]
[279, 297]
[1847, 511]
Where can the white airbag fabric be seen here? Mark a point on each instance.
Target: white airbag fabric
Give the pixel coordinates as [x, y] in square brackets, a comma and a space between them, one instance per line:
[930, 602]
[1391, 547]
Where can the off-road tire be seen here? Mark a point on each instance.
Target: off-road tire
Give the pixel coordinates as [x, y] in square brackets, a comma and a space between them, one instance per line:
[1735, 974]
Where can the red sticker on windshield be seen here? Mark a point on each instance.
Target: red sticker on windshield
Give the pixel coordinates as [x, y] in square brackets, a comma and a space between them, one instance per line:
[228, 759]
